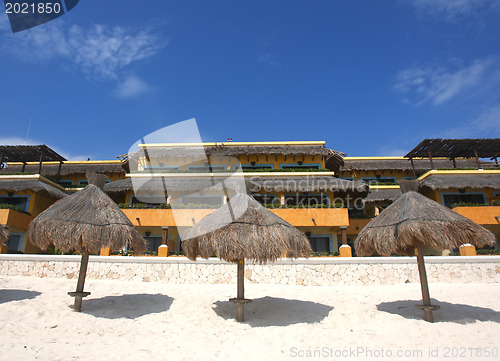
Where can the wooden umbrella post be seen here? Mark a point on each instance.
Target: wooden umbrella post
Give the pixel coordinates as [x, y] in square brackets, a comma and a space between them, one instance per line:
[79, 294]
[424, 285]
[240, 299]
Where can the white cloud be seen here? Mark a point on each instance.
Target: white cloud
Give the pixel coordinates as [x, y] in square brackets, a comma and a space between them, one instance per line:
[486, 125]
[99, 51]
[131, 87]
[268, 59]
[392, 152]
[440, 84]
[453, 10]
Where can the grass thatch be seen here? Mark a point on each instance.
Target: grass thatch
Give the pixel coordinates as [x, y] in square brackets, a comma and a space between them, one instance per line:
[89, 216]
[257, 234]
[456, 181]
[414, 219]
[35, 185]
[421, 165]
[52, 170]
[382, 195]
[3, 235]
[175, 184]
[333, 158]
[253, 184]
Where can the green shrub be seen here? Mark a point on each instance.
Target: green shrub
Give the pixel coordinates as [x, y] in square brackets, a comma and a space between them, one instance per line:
[14, 208]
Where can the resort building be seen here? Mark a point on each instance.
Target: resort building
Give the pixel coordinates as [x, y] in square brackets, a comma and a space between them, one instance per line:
[166, 188]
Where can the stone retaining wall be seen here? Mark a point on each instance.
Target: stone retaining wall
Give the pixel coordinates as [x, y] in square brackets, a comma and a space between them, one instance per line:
[328, 271]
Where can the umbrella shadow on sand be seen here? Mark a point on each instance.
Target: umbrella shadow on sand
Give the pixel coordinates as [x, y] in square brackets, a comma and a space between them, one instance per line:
[17, 295]
[273, 311]
[449, 312]
[127, 306]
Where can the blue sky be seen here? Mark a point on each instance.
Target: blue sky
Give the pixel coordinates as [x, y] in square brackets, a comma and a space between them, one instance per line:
[368, 77]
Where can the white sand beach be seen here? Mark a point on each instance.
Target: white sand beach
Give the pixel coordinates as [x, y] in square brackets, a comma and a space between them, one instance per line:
[147, 321]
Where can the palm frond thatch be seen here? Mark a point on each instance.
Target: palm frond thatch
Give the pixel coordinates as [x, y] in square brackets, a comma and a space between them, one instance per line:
[89, 216]
[421, 165]
[257, 234]
[35, 185]
[67, 169]
[456, 181]
[414, 220]
[3, 235]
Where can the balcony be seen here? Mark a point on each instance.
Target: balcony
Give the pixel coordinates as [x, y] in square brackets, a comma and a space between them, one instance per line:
[14, 219]
[310, 217]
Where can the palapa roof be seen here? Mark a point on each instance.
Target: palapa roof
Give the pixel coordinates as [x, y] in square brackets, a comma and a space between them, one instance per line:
[334, 159]
[3, 235]
[456, 181]
[307, 184]
[413, 220]
[382, 195]
[35, 185]
[28, 153]
[67, 169]
[88, 216]
[257, 234]
[456, 148]
[421, 165]
[172, 184]
[252, 183]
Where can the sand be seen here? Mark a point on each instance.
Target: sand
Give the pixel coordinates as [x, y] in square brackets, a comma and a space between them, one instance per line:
[146, 321]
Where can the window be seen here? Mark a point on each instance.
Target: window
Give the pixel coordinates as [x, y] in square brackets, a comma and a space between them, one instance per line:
[266, 198]
[161, 167]
[151, 201]
[19, 201]
[85, 182]
[153, 242]
[306, 200]
[379, 180]
[14, 242]
[213, 199]
[356, 213]
[448, 199]
[300, 166]
[255, 166]
[65, 183]
[206, 168]
[320, 243]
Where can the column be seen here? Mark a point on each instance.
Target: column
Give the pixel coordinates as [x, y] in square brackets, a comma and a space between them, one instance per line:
[345, 249]
[163, 249]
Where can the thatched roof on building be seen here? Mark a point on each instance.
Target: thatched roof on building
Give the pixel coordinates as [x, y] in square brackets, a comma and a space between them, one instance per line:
[382, 195]
[334, 159]
[307, 184]
[414, 220]
[421, 165]
[67, 169]
[456, 181]
[257, 234]
[86, 219]
[3, 235]
[35, 185]
[171, 184]
[253, 184]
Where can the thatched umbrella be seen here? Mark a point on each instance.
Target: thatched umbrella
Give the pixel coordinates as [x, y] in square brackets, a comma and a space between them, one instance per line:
[85, 222]
[414, 221]
[3, 235]
[257, 234]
